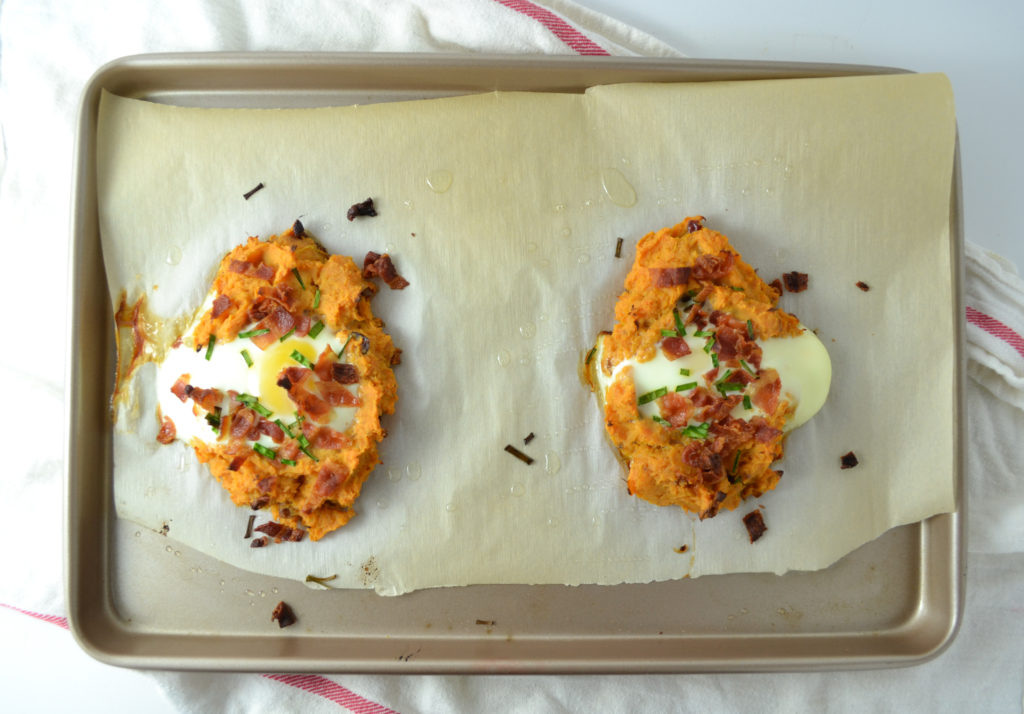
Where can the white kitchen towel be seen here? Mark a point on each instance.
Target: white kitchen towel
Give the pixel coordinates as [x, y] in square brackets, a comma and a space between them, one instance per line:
[48, 50]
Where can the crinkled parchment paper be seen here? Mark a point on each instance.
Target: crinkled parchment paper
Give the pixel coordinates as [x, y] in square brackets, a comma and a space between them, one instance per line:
[503, 211]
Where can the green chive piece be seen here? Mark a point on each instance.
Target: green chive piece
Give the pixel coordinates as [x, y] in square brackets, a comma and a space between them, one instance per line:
[341, 352]
[286, 335]
[308, 453]
[680, 327]
[285, 429]
[247, 357]
[726, 387]
[669, 333]
[747, 367]
[728, 373]
[213, 419]
[684, 372]
[735, 463]
[746, 402]
[316, 329]
[697, 431]
[686, 387]
[301, 359]
[651, 396]
[750, 329]
[714, 359]
[316, 299]
[703, 333]
[590, 355]
[303, 441]
[264, 451]
[288, 462]
[260, 409]
[209, 347]
[253, 333]
[295, 272]
[737, 288]
[661, 421]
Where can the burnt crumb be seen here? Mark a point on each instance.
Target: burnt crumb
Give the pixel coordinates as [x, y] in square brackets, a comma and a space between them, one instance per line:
[364, 208]
[682, 549]
[165, 529]
[380, 266]
[259, 542]
[754, 522]
[251, 192]
[618, 248]
[248, 527]
[529, 438]
[848, 460]
[518, 454]
[695, 225]
[794, 281]
[284, 383]
[284, 615]
[298, 230]
[862, 285]
[489, 623]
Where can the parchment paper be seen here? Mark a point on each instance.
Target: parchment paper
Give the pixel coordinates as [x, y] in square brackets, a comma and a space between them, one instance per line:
[513, 274]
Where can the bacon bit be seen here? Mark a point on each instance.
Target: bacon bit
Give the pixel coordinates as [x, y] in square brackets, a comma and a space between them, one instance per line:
[776, 285]
[220, 304]
[294, 535]
[675, 347]
[676, 408]
[265, 484]
[259, 542]
[207, 399]
[302, 325]
[337, 395]
[289, 450]
[167, 431]
[396, 357]
[329, 479]
[670, 277]
[754, 522]
[365, 208]
[181, 388]
[795, 282]
[239, 266]
[265, 272]
[848, 460]
[701, 456]
[766, 434]
[343, 373]
[713, 267]
[766, 392]
[325, 437]
[280, 322]
[271, 528]
[260, 308]
[236, 463]
[695, 224]
[283, 613]
[862, 285]
[252, 192]
[243, 422]
[380, 266]
[282, 293]
[271, 429]
[261, 502]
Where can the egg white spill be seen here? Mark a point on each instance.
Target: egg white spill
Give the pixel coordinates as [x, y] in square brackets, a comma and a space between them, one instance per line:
[803, 364]
[227, 370]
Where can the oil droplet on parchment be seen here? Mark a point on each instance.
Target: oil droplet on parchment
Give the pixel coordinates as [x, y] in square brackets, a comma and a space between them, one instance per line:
[619, 190]
[439, 181]
[382, 504]
[409, 205]
[451, 507]
[583, 258]
[567, 232]
[414, 471]
[527, 330]
[559, 207]
[394, 475]
[551, 462]
[517, 490]
[531, 246]
[173, 255]
[504, 357]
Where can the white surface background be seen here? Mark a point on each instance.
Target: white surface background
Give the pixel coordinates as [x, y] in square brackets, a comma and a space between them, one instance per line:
[977, 44]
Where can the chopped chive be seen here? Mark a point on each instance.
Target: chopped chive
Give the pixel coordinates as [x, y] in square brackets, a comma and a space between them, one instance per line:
[684, 372]
[703, 333]
[728, 373]
[747, 367]
[735, 463]
[746, 402]
[247, 357]
[661, 421]
[253, 333]
[303, 441]
[669, 333]
[341, 352]
[209, 347]
[316, 329]
[737, 288]
[686, 387]
[301, 359]
[697, 431]
[288, 462]
[714, 359]
[307, 452]
[316, 299]
[651, 396]
[295, 272]
[213, 419]
[264, 451]
[320, 581]
[680, 327]
[254, 404]
[590, 355]
[750, 329]
[286, 335]
[726, 387]
[285, 429]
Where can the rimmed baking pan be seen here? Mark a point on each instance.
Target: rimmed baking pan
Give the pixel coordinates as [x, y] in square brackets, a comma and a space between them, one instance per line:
[137, 599]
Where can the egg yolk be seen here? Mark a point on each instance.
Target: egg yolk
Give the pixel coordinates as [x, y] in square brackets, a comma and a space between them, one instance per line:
[273, 361]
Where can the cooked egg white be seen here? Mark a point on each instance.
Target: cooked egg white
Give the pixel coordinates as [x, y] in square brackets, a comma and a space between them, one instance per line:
[227, 370]
[803, 364]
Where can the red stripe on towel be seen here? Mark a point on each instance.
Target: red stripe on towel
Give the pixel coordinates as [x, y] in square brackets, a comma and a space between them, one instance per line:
[323, 687]
[52, 619]
[576, 40]
[996, 328]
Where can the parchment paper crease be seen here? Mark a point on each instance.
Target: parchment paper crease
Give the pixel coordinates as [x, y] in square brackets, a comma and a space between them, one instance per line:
[513, 274]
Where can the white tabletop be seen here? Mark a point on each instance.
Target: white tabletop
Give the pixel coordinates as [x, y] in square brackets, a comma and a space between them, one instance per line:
[976, 44]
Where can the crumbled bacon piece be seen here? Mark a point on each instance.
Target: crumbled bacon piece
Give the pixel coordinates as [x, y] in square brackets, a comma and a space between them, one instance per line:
[329, 479]
[239, 266]
[283, 613]
[363, 208]
[208, 399]
[795, 282]
[766, 392]
[848, 460]
[167, 431]
[713, 267]
[766, 434]
[380, 266]
[675, 347]
[271, 429]
[344, 373]
[259, 542]
[676, 409]
[670, 277]
[272, 528]
[863, 286]
[695, 224]
[243, 422]
[754, 522]
[220, 304]
[181, 388]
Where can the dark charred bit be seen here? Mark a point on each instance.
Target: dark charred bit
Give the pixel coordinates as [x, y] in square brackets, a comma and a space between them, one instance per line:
[251, 192]
[529, 438]
[618, 248]
[165, 529]
[518, 454]
[754, 522]
[248, 527]
[795, 282]
[682, 549]
[259, 542]
[720, 496]
[284, 615]
[298, 230]
[489, 623]
[695, 225]
[364, 208]
[380, 266]
[862, 285]
[848, 460]
[285, 383]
